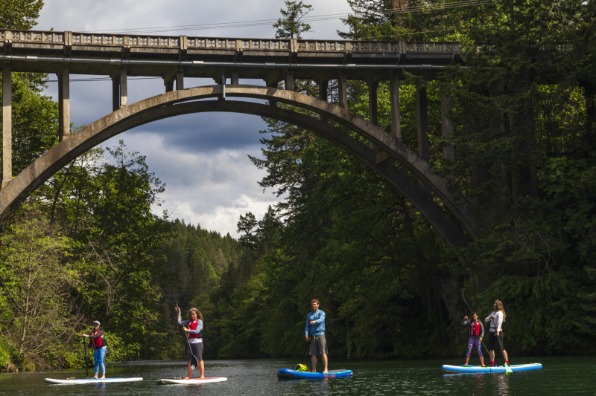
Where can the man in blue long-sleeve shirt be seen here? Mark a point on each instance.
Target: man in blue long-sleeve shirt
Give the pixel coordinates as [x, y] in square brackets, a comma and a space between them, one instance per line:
[314, 332]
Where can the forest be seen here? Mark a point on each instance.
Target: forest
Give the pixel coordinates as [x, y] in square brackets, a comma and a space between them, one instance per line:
[86, 244]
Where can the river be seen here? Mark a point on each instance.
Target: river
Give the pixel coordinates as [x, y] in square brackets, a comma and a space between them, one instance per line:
[559, 376]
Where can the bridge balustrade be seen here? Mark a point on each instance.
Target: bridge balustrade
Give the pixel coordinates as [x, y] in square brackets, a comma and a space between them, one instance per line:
[18, 38]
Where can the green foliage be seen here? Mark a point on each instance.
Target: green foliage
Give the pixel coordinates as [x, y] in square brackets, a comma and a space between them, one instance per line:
[407, 20]
[34, 120]
[5, 360]
[291, 25]
[35, 284]
[19, 14]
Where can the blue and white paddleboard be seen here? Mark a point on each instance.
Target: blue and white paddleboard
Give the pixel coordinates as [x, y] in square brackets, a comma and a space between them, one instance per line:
[80, 381]
[488, 369]
[286, 373]
[191, 381]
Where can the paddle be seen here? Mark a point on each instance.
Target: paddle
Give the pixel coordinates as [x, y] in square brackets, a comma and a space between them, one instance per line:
[301, 366]
[485, 348]
[85, 358]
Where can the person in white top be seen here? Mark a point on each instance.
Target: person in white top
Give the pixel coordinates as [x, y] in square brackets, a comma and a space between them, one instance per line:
[495, 332]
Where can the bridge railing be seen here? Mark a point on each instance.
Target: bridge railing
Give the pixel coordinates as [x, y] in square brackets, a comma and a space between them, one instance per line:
[132, 41]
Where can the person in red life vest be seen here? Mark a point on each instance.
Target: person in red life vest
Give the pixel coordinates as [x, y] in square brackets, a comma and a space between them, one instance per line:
[100, 346]
[193, 329]
[475, 332]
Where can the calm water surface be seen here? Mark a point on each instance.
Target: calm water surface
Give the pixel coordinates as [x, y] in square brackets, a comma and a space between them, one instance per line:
[560, 376]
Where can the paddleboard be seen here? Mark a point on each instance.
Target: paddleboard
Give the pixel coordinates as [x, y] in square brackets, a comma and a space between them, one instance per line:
[488, 369]
[79, 381]
[286, 373]
[192, 381]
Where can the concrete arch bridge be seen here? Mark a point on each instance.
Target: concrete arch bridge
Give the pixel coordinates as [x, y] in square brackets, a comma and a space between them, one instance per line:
[227, 61]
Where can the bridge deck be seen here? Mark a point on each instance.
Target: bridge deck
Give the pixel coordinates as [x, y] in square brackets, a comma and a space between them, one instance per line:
[143, 55]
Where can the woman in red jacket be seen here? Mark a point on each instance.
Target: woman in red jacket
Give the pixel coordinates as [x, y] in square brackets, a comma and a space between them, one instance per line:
[100, 346]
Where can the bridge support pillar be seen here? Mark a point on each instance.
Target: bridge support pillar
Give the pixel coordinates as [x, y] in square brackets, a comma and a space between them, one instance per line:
[6, 125]
[373, 104]
[179, 80]
[289, 82]
[324, 90]
[342, 87]
[119, 90]
[394, 94]
[422, 122]
[323, 95]
[446, 127]
[64, 103]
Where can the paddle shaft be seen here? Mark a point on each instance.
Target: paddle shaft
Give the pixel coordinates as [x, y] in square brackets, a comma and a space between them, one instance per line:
[307, 344]
[305, 350]
[85, 358]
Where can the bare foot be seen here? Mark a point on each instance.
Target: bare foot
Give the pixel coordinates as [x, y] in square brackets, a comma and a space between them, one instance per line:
[104, 377]
[187, 377]
[95, 377]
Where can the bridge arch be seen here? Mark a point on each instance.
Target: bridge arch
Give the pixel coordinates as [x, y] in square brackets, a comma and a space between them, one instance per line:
[403, 168]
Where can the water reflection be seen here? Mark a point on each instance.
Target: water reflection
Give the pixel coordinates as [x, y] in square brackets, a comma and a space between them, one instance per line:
[559, 376]
[100, 388]
[501, 383]
[479, 384]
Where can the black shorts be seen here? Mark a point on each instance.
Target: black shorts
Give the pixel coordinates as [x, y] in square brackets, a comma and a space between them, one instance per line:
[495, 342]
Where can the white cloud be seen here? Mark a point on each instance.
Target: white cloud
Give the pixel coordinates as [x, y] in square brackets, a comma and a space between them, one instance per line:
[201, 158]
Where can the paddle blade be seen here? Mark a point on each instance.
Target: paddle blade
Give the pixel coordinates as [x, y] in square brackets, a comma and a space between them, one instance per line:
[508, 369]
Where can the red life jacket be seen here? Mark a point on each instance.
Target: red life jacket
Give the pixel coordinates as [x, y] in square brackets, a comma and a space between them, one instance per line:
[193, 326]
[475, 329]
[99, 341]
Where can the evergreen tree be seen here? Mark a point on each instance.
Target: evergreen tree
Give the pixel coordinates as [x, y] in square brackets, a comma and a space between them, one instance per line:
[292, 25]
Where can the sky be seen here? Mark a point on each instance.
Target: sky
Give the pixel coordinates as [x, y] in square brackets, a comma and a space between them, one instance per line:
[201, 158]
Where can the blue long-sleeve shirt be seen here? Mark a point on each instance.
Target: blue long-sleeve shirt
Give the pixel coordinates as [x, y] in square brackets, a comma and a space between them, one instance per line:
[318, 328]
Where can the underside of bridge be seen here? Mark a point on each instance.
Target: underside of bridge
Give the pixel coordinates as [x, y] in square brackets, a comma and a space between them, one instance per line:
[409, 173]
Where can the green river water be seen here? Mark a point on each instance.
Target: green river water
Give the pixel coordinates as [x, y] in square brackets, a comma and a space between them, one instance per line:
[559, 376]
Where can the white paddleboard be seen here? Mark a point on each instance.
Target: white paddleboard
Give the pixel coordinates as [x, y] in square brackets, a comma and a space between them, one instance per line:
[79, 381]
[192, 381]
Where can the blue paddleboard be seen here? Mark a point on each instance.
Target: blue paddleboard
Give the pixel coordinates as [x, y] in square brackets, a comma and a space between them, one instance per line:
[488, 369]
[286, 373]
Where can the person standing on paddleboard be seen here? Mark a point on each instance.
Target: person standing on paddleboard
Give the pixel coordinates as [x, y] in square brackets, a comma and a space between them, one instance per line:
[193, 329]
[100, 347]
[476, 333]
[315, 334]
[495, 332]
